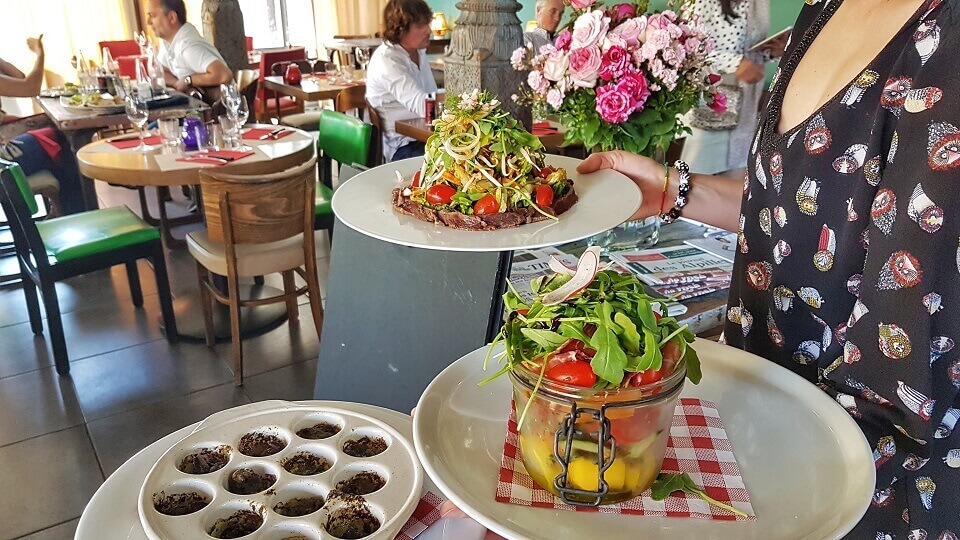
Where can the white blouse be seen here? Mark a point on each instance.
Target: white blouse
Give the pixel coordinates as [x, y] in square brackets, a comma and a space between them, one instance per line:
[397, 87]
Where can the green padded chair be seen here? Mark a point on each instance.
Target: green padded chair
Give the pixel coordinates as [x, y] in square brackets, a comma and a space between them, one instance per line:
[344, 139]
[56, 249]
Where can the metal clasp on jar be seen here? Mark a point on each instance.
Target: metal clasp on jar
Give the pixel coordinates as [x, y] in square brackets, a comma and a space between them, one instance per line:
[581, 497]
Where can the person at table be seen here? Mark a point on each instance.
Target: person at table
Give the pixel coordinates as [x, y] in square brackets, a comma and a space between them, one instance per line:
[547, 14]
[189, 61]
[398, 75]
[31, 141]
[847, 268]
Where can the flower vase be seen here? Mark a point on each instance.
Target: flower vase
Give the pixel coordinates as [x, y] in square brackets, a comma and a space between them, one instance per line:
[631, 235]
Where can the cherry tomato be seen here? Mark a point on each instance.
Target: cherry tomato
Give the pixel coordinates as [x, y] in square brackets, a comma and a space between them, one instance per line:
[544, 195]
[523, 311]
[416, 180]
[487, 205]
[573, 373]
[440, 194]
[544, 172]
[657, 316]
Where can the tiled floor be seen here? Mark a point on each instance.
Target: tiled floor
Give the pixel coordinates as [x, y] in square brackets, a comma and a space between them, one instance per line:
[61, 436]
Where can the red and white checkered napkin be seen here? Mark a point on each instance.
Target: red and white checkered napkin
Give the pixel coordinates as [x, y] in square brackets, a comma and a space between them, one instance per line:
[426, 514]
[698, 446]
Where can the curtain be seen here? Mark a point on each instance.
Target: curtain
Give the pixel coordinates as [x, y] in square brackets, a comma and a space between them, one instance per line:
[356, 17]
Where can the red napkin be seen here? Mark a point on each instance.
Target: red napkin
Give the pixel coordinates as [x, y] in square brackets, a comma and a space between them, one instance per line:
[544, 128]
[134, 142]
[255, 133]
[48, 140]
[204, 157]
[426, 514]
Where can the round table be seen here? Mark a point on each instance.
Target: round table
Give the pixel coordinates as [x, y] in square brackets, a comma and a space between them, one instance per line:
[101, 161]
[112, 512]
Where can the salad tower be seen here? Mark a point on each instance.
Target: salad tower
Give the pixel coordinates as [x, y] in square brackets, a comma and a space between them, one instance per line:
[484, 171]
[594, 366]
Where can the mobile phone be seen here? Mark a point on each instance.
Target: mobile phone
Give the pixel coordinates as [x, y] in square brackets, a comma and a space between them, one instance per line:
[774, 37]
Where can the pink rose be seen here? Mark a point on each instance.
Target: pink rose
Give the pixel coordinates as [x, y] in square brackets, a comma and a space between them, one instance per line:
[585, 66]
[655, 23]
[634, 85]
[691, 44]
[538, 83]
[589, 29]
[555, 66]
[719, 103]
[621, 12]
[517, 58]
[629, 31]
[613, 104]
[674, 55]
[581, 4]
[615, 62]
[555, 98]
[563, 40]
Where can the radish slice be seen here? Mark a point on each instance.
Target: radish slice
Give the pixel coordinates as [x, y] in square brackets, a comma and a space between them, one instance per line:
[586, 271]
[561, 268]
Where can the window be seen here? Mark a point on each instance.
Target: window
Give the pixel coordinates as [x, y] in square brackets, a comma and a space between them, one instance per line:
[278, 23]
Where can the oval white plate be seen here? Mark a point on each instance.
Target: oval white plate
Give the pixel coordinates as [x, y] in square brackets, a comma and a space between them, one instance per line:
[606, 199]
[806, 464]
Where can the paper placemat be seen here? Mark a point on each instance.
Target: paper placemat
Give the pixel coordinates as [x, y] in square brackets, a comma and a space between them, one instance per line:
[426, 514]
[698, 446]
[169, 162]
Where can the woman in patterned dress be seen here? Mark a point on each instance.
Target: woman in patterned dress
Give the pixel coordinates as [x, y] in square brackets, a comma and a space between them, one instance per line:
[848, 270]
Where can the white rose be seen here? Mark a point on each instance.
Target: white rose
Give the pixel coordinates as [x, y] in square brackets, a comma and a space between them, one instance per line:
[589, 29]
[555, 67]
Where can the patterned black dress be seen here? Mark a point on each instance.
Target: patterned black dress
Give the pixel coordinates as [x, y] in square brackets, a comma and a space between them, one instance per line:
[848, 266]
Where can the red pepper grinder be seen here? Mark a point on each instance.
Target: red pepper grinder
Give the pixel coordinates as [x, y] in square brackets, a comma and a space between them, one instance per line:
[292, 75]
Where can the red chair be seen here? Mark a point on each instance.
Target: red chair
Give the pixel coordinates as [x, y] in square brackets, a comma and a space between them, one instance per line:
[266, 99]
[125, 53]
[249, 41]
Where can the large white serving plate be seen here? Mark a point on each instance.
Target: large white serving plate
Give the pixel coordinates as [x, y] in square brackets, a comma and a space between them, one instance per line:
[805, 462]
[112, 512]
[364, 203]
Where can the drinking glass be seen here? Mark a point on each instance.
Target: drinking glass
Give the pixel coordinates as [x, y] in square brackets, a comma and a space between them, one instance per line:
[229, 127]
[137, 113]
[170, 132]
[333, 72]
[312, 59]
[363, 57]
[243, 114]
[230, 97]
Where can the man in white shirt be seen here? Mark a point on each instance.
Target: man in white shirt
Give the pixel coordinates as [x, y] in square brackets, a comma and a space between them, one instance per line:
[398, 75]
[189, 61]
[548, 15]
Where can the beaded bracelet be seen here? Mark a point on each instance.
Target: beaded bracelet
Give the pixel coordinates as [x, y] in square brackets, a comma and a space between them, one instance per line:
[682, 191]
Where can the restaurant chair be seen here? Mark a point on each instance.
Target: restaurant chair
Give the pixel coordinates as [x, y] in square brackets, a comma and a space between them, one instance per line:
[342, 139]
[376, 141]
[265, 103]
[249, 43]
[125, 53]
[351, 98]
[257, 225]
[305, 120]
[59, 248]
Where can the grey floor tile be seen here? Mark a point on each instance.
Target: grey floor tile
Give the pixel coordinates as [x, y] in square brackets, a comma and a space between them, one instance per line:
[60, 470]
[131, 378]
[20, 350]
[100, 329]
[290, 383]
[64, 531]
[116, 438]
[279, 347]
[36, 403]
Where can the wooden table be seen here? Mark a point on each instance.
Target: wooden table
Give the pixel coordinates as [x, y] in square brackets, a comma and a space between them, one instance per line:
[135, 169]
[417, 128]
[311, 88]
[79, 128]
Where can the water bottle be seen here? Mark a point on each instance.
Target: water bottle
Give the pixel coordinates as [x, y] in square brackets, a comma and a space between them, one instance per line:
[143, 81]
[158, 83]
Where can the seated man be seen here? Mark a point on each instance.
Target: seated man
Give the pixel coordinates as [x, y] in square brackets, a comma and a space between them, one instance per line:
[548, 15]
[189, 61]
[399, 79]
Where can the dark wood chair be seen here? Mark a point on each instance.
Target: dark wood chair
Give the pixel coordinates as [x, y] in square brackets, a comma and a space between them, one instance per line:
[376, 140]
[352, 98]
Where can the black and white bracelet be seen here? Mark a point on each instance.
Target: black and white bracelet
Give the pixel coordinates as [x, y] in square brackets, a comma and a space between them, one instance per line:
[682, 191]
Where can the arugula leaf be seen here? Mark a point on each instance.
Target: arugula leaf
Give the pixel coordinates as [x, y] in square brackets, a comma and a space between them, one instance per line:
[610, 359]
[545, 338]
[652, 357]
[667, 483]
[573, 330]
[630, 334]
[692, 362]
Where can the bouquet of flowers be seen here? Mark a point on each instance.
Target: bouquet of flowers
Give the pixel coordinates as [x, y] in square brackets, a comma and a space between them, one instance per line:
[619, 78]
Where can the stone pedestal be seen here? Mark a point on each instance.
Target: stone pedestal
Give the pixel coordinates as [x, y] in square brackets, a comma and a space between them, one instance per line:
[485, 35]
[223, 25]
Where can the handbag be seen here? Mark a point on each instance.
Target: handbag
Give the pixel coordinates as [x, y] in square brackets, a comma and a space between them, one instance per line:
[703, 117]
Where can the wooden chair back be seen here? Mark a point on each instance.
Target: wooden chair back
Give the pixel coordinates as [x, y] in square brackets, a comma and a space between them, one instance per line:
[258, 209]
[351, 97]
[376, 138]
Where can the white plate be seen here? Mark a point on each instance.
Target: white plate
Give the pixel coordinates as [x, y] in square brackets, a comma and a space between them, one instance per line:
[112, 513]
[806, 464]
[67, 104]
[607, 199]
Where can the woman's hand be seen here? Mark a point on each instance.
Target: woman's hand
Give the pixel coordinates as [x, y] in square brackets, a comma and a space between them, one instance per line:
[36, 45]
[645, 172]
[750, 72]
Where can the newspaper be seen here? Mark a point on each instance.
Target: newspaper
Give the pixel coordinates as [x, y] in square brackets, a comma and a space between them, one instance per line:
[678, 272]
[531, 264]
[719, 242]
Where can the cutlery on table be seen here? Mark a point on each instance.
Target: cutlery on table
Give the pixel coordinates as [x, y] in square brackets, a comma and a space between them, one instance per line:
[273, 134]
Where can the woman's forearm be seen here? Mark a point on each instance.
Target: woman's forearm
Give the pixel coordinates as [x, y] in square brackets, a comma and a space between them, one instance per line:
[714, 200]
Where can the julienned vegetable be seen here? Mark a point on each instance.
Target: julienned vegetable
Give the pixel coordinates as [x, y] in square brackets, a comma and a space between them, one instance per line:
[603, 318]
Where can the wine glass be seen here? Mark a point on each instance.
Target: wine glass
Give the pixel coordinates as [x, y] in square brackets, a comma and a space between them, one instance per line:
[137, 113]
[243, 114]
[363, 57]
[230, 97]
[312, 59]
